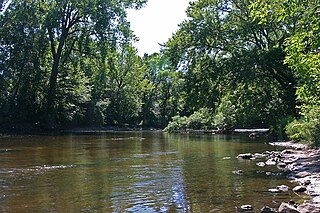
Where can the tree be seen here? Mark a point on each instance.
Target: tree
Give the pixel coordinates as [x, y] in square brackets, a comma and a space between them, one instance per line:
[302, 46]
[23, 50]
[220, 47]
[162, 96]
[68, 21]
[58, 47]
[125, 84]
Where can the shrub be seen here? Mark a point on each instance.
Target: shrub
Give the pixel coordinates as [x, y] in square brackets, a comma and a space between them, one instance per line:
[199, 120]
[225, 116]
[306, 129]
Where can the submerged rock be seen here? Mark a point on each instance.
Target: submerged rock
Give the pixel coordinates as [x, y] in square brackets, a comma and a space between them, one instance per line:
[299, 189]
[237, 172]
[267, 209]
[283, 188]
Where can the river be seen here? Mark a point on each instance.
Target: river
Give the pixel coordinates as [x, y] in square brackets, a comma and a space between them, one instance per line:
[135, 172]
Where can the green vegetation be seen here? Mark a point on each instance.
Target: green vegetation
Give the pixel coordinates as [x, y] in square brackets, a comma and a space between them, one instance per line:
[232, 63]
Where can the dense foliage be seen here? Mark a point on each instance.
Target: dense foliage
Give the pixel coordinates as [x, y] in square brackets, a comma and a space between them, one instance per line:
[232, 63]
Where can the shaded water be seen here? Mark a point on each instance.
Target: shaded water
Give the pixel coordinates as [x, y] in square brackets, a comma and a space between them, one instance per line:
[134, 172]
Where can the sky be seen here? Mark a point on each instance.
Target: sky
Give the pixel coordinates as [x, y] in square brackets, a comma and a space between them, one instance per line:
[156, 22]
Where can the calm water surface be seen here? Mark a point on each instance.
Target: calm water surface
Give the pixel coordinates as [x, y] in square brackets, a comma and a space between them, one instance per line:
[134, 172]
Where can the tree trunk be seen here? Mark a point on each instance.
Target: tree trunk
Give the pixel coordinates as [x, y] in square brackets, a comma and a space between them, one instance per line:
[53, 84]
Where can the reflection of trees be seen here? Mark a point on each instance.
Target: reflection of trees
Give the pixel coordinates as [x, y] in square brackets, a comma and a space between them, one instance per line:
[124, 172]
[107, 173]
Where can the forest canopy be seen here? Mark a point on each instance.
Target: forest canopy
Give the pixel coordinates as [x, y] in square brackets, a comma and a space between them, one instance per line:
[231, 63]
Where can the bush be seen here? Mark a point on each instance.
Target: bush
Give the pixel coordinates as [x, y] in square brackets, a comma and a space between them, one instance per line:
[199, 120]
[177, 123]
[225, 116]
[306, 129]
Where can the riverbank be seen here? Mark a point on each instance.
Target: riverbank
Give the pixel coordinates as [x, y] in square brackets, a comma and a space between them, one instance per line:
[302, 166]
[31, 129]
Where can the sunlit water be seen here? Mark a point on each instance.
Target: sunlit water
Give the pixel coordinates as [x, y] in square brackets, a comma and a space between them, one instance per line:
[134, 172]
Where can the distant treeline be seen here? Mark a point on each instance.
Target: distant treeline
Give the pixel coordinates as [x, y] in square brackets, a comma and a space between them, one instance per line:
[232, 63]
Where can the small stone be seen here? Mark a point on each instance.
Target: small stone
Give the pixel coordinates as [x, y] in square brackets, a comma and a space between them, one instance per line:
[299, 189]
[283, 188]
[271, 162]
[281, 165]
[287, 151]
[286, 208]
[292, 203]
[267, 209]
[274, 190]
[261, 164]
[237, 172]
[245, 156]
[302, 174]
[308, 207]
[258, 155]
[246, 208]
[307, 182]
[289, 160]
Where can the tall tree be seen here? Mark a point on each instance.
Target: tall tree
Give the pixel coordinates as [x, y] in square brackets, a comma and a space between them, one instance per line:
[67, 21]
[220, 46]
[52, 50]
[302, 46]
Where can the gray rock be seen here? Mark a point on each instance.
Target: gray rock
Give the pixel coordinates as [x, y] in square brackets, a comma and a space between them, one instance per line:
[307, 182]
[289, 160]
[246, 208]
[267, 209]
[261, 164]
[258, 155]
[245, 156]
[287, 151]
[286, 208]
[299, 189]
[237, 172]
[271, 162]
[302, 174]
[274, 190]
[283, 188]
[309, 208]
[281, 165]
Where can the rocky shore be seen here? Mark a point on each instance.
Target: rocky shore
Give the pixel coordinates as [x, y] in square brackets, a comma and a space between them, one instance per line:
[302, 164]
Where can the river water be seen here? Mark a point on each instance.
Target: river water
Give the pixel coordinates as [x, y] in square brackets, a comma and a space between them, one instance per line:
[134, 172]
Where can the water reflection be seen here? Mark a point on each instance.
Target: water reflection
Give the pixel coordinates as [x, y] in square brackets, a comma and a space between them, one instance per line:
[132, 172]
